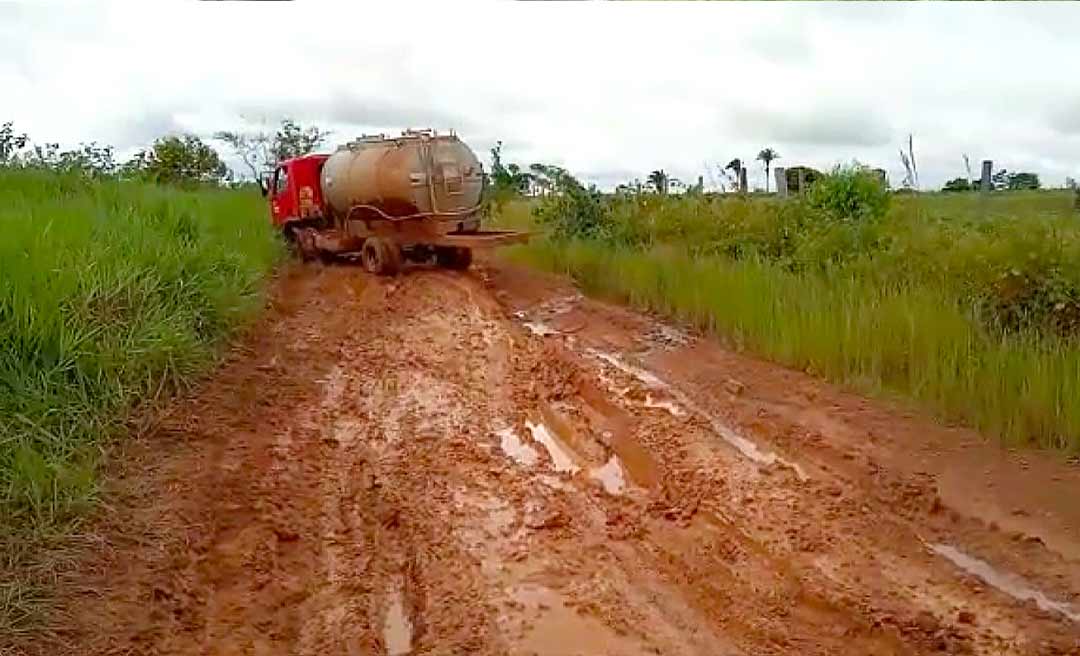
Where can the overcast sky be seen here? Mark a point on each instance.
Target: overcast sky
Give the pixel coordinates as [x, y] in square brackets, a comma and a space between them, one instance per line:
[608, 90]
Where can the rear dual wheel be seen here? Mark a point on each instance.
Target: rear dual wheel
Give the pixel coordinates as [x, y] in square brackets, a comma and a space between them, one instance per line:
[381, 256]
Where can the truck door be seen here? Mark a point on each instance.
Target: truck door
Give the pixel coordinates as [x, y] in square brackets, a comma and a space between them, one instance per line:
[282, 201]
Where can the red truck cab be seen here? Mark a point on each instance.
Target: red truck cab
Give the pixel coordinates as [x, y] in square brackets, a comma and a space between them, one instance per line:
[294, 190]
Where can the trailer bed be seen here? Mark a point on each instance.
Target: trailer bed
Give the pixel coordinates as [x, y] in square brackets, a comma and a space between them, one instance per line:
[481, 238]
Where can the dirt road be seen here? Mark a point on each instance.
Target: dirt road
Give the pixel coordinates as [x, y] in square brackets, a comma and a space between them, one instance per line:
[487, 463]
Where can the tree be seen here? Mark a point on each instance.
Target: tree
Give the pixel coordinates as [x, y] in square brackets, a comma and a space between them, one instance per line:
[659, 179]
[93, 159]
[520, 181]
[253, 148]
[10, 143]
[999, 180]
[181, 160]
[501, 178]
[543, 178]
[734, 166]
[292, 140]
[508, 179]
[261, 151]
[767, 155]
[1022, 180]
[550, 178]
[89, 159]
[957, 184]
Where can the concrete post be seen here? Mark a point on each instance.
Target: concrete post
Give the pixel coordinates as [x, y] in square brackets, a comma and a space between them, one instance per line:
[781, 181]
[984, 183]
[802, 181]
[742, 180]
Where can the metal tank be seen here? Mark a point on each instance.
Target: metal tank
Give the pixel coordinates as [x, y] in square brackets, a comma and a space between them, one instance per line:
[419, 175]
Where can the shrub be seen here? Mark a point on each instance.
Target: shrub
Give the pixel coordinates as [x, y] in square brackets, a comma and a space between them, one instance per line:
[574, 212]
[852, 193]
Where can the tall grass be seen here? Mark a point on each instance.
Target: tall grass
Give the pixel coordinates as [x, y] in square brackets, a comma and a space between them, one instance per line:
[906, 306]
[111, 295]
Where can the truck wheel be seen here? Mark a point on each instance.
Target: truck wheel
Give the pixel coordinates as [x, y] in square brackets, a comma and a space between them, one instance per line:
[381, 257]
[453, 258]
[303, 244]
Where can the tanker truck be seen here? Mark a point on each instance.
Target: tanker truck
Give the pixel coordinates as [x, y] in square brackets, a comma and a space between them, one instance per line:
[415, 197]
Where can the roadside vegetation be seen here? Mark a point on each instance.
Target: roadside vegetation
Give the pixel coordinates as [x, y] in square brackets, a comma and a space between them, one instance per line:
[119, 283]
[967, 305]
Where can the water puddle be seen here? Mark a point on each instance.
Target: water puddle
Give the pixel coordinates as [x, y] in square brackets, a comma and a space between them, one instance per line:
[397, 628]
[511, 444]
[648, 378]
[560, 454]
[674, 408]
[1011, 585]
[746, 447]
[610, 476]
[540, 328]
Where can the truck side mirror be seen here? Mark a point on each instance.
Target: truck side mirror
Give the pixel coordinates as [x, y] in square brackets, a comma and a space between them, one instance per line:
[263, 187]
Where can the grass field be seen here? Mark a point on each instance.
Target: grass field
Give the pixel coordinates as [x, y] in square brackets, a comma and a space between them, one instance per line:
[112, 295]
[968, 307]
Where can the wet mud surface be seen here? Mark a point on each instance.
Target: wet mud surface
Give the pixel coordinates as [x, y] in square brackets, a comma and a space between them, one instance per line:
[488, 463]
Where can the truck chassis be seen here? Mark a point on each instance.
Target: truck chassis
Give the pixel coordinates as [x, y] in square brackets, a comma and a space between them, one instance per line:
[384, 244]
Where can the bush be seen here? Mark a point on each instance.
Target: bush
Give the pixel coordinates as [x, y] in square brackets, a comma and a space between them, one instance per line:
[958, 184]
[852, 193]
[574, 212]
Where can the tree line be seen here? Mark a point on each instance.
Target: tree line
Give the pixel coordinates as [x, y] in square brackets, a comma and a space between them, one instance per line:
[179, 159]
[188, 160]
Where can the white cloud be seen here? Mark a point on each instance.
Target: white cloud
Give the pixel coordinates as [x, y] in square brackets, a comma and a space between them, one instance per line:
[608, 90]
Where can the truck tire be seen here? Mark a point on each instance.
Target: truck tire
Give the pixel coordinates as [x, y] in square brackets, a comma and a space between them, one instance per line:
[453, 257]
[303, 244]
[381, 256]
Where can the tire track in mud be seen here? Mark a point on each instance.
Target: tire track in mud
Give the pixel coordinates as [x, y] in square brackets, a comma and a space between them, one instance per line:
[443, 464]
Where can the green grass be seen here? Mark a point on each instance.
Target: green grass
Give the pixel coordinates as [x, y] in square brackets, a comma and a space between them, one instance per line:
[901, 313]
[112, 295]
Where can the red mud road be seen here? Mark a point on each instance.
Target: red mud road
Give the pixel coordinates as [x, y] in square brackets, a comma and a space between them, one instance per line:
[487, 463]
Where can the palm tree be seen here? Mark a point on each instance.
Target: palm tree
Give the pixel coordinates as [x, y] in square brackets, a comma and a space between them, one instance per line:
[735, 166]
[659, 180]
[767, 155]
